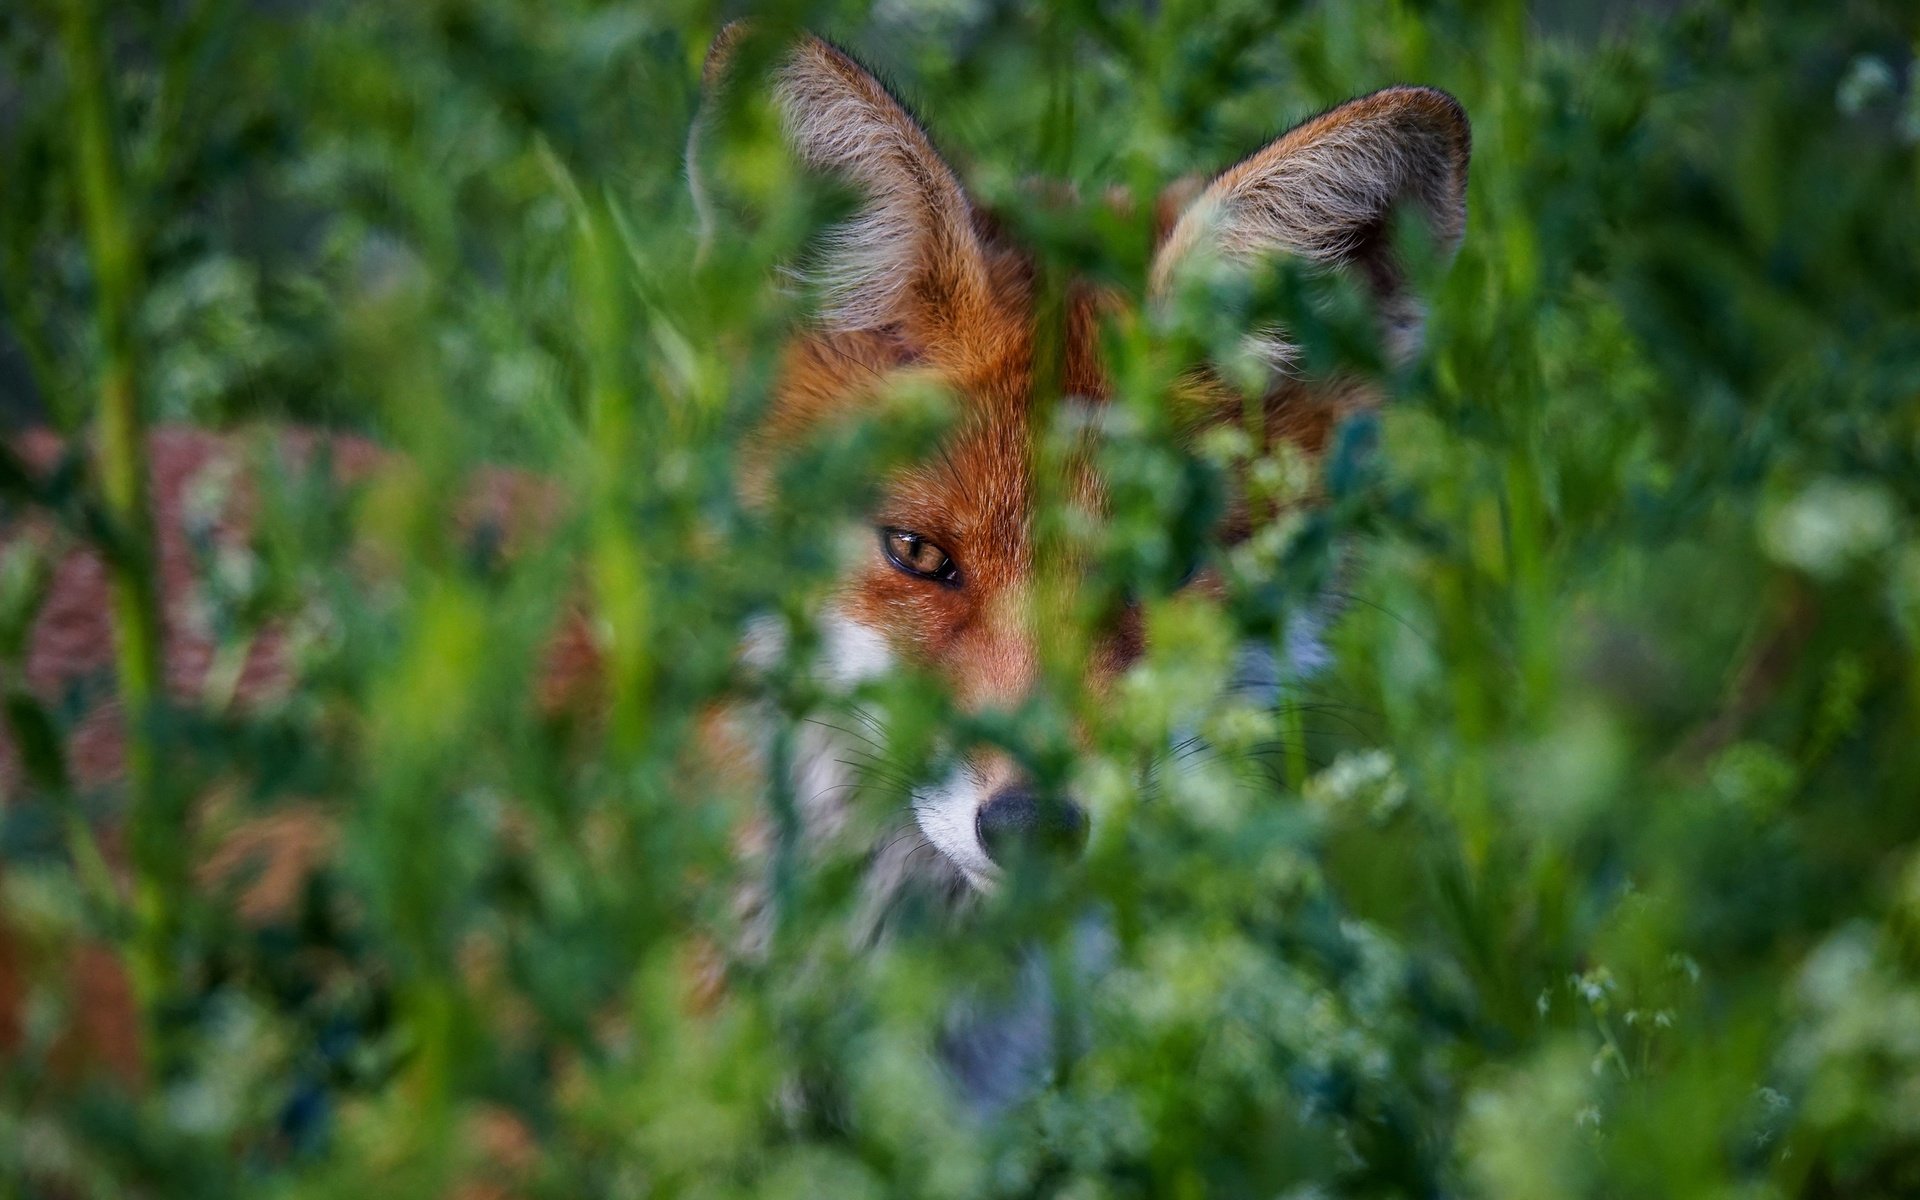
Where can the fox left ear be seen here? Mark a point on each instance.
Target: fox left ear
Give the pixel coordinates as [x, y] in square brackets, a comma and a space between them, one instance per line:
[1325, 192]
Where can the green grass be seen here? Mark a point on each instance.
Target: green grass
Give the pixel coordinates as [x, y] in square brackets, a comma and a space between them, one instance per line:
[1593, 868]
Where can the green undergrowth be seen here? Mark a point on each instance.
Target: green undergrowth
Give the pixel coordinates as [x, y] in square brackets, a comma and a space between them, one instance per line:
[1589, 866]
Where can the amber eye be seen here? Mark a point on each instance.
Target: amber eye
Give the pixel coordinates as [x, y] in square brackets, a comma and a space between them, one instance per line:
[917, 556]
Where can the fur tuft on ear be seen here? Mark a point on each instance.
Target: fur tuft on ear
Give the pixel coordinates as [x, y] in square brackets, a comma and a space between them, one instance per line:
[910, 257]
[1325, 192]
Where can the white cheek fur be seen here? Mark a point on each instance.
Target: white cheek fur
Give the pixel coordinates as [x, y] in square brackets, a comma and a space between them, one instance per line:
[851, 653]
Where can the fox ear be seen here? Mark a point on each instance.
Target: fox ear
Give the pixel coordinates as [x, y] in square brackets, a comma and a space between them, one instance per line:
[910, 257]
[1325, 192]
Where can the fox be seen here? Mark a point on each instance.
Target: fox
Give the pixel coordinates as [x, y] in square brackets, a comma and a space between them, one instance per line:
[920, 283]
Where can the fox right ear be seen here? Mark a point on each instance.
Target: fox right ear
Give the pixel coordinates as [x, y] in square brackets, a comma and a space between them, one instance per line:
[1325, 192]
[910, 258]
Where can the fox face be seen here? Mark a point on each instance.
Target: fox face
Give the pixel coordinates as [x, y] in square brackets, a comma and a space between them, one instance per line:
[918, 284]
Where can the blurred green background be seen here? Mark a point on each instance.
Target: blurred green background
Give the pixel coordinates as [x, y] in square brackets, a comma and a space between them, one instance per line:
[1590, 868]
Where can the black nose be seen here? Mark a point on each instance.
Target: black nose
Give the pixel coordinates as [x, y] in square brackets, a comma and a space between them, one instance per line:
[1015, 820]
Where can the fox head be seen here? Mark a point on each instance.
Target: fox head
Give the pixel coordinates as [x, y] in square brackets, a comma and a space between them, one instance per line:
[918, 282]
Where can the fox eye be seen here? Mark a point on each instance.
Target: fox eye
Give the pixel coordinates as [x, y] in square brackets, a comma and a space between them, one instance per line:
[917, 556]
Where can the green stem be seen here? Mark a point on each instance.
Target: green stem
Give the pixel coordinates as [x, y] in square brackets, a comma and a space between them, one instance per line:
[121, 467]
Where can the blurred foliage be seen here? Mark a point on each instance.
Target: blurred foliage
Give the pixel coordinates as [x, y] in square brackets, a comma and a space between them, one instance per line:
[1590, 868]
